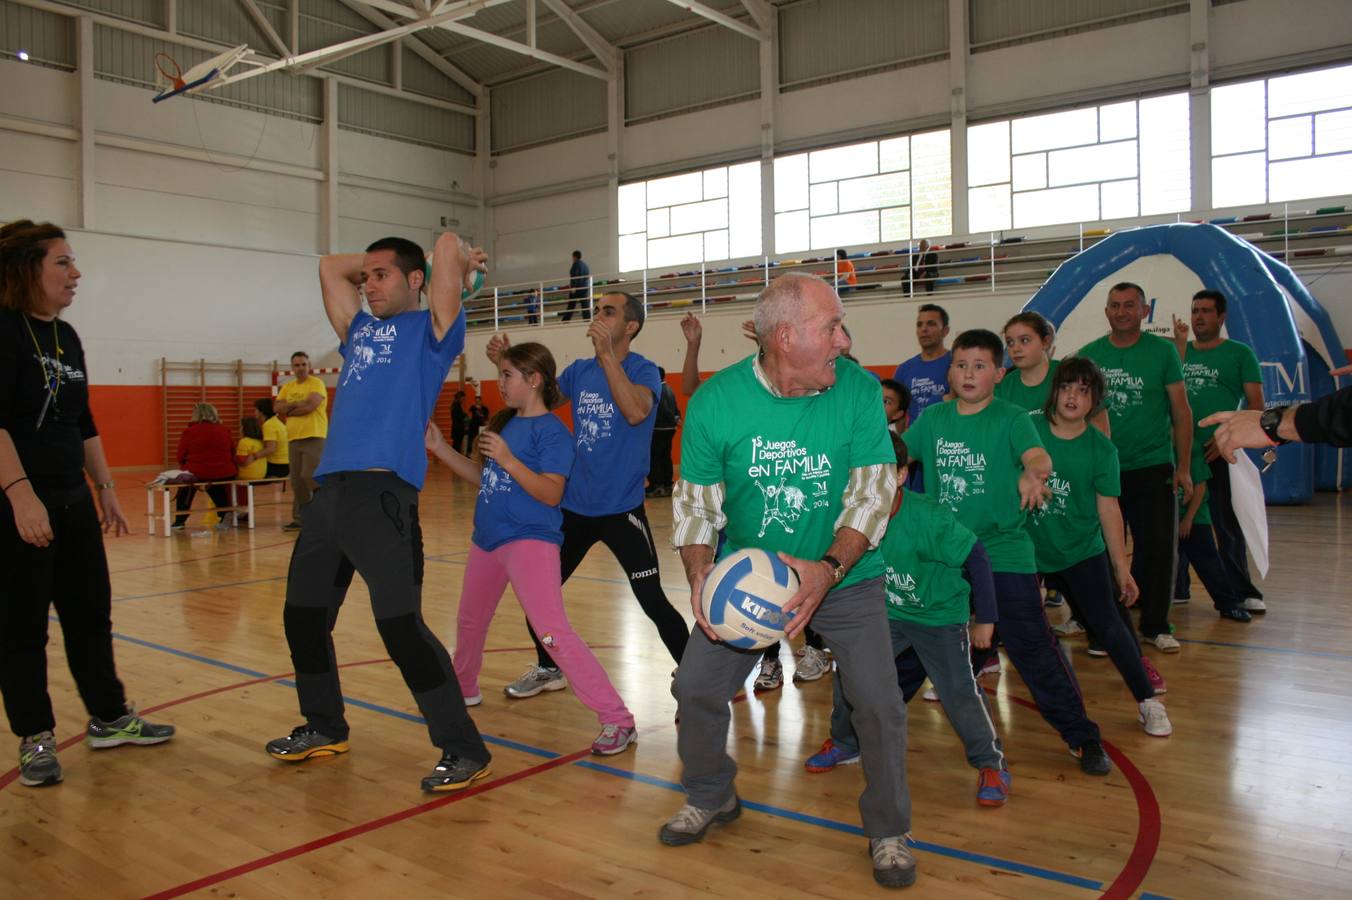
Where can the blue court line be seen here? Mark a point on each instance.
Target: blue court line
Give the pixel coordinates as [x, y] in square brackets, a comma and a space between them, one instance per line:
[1266, 649]
[207, 587]
[937, 849]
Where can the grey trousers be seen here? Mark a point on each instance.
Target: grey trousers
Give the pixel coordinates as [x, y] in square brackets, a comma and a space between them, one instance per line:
[853, 622]
[944, 651]
[304, 457]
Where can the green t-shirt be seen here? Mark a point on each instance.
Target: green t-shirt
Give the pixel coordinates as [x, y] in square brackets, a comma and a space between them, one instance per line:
[1201, 473]
[1137, 399]
[785, 461]
[1033, 399]
[923, 550]
[1216, 379]
[1067, 531]
[972, 465]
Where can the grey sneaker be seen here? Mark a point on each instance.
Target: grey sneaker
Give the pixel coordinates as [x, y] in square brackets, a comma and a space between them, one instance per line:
[37, 761]
[130, 729]
[304, 742]
[690, 822]
[614, 739]
[812, 664]
[771, 676]
[1068, 628]
[893, 862]
[534, 680]
[455, 773]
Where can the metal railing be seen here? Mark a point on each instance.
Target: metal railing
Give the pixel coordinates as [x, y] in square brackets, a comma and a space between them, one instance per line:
[962, 268]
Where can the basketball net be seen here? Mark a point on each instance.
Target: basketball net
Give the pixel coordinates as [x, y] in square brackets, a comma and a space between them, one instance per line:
[169, 70]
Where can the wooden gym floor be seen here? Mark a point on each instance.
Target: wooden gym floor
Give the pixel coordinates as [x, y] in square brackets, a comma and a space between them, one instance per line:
[1251, 797]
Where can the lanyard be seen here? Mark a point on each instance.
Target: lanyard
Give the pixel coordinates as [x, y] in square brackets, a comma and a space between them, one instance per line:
[51, 380]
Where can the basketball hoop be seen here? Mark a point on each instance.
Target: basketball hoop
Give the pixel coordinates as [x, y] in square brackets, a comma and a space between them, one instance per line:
[169, 70]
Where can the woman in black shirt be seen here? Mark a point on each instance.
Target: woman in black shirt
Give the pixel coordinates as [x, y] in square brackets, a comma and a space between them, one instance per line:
[51, 542]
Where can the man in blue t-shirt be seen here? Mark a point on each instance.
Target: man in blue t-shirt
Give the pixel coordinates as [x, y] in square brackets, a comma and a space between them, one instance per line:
[579, 288]
[925, 375]
[364, 517]
[614, 404]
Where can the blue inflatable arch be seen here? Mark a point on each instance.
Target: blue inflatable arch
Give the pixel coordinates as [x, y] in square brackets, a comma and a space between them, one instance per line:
[1258, 314]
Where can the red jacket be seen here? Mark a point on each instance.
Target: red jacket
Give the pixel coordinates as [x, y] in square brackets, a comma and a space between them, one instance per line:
[207, 450]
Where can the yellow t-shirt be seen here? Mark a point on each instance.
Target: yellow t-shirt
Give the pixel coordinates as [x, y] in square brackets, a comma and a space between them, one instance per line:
[256, 469]
[313, 424]
[274, 429]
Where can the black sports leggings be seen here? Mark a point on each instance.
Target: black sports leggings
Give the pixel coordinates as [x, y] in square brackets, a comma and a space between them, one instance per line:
[630, 539]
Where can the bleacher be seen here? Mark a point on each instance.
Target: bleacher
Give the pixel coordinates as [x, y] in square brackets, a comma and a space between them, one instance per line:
[964, 268]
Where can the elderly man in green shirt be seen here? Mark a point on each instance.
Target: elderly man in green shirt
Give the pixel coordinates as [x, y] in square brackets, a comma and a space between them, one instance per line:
[1152, 429]
[788, 451]
[1221, 375]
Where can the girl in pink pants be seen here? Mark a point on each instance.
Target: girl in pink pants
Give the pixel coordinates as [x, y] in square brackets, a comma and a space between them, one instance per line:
[517, 532]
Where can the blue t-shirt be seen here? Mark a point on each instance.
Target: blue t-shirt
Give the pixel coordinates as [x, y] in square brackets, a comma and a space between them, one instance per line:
[393, 370]
[612, 455]
[927, 381]
[505, 511]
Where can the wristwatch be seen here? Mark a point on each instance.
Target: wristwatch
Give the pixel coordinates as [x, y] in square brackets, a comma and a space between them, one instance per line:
[1270, 421]
[837, 569]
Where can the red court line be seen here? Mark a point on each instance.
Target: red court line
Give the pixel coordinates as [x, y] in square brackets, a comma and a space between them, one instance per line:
[188, 559]
[1148, 822]
[365, 827]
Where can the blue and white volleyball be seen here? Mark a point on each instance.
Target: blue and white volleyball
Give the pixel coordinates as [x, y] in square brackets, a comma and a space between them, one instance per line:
[744, 597]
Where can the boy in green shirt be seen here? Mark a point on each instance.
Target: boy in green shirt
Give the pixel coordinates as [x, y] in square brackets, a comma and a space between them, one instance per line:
[982, 458]
[925, 552]
[1196, 542]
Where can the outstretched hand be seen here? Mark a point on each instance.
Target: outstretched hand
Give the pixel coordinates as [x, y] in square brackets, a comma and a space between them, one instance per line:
[692, 328]
[1033, 491]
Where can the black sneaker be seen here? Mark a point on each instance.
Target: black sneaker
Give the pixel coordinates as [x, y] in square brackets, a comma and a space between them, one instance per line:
[455, 773]
[1235, 614]
[1093, 758]
[291, 526]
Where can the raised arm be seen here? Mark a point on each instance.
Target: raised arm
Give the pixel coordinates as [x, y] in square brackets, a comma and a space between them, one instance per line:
[694, 333]
[339, 280]
[455, 263]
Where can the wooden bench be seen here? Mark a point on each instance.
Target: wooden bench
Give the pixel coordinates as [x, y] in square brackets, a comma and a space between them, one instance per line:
[168, 512]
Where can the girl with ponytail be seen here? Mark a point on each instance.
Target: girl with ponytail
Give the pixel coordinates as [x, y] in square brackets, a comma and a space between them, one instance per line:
[518, 528]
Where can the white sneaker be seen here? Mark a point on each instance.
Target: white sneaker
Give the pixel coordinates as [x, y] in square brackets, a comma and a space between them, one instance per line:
[771, 676]
[930, 694]
[810, 664]
[1166, 642]
[1254, 605]
[1154, 718]
[1068, 628]
[476, 700]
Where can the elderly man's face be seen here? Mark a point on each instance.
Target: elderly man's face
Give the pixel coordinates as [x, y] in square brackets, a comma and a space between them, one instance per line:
[818, 341]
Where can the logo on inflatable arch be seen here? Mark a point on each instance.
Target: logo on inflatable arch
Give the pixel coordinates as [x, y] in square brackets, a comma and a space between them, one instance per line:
[1268, 309]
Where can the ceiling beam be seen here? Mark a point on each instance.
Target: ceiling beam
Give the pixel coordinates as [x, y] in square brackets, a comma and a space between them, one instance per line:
[714, 15]
[602, 49]
[265, 26]
[421, 48]
[488, 37]
[762, 12]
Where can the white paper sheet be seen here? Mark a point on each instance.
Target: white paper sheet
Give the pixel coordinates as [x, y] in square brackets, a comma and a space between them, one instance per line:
[1246, 496]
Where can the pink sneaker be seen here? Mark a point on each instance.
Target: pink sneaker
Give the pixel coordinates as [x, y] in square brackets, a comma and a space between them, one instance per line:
[614, 739]
[1156, 679]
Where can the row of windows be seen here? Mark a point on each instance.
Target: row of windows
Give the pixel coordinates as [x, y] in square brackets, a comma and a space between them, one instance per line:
[1272, 140]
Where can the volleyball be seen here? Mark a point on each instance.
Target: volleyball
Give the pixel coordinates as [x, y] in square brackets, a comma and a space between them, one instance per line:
[744, 596]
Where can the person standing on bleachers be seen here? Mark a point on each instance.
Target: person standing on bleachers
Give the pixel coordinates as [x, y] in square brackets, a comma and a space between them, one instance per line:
[578, 288]
[304, 403]
[924, 268]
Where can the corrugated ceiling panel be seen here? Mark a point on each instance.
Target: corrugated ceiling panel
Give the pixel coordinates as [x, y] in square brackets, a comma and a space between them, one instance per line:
[631, 18]
[403, 120]
[877, 33]
[1002, 20]
[421, 77]
[130, 58]
[149, 11]
[224, 22]
[328, 11]
[487, 62]
[547, 107]
[702, 67]
[46, 37]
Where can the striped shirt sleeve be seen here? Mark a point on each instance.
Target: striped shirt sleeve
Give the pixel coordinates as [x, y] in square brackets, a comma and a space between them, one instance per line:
[698, 513]
[867, 501]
